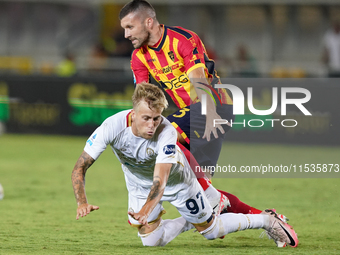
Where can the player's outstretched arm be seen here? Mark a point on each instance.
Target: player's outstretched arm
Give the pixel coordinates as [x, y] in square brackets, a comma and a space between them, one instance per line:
[197, 75]
[160, 178]
[85, 209]
[78, 182]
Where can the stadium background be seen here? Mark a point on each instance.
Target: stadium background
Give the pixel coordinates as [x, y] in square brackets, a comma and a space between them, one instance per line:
[64, 67]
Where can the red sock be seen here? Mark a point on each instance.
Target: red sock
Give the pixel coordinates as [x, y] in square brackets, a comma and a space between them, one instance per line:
[237, 206]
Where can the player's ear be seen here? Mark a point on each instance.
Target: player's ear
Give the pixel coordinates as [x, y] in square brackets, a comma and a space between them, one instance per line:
[133, 114]
[149, 23]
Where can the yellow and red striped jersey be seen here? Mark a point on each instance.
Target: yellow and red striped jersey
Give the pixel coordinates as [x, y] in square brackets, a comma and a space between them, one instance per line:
[175, 55]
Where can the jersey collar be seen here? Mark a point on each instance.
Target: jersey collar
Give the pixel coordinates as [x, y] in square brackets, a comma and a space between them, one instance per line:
[158, 46]
[128, 119]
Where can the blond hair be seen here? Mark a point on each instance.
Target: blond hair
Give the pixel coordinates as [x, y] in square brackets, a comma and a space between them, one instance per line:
[151, 94]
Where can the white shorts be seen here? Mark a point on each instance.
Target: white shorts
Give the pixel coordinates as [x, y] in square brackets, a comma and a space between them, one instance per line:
[189, 199]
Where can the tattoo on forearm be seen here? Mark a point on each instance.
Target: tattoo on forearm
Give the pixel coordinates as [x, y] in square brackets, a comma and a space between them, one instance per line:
[78, 177]
[155, 189]
[84, 161]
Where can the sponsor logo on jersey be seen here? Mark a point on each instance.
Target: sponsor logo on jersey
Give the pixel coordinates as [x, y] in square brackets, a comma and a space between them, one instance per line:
[91, 139]
[200, 216]
[166, 69]
[169, 149]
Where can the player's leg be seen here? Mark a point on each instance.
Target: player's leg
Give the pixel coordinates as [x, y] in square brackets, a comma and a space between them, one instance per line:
[183, 123]
[227, 223]
[159, 232]
[165, 232]
[192, 205]
[196, 210]
[237, 206]
[234, 204]
[218, 201]
[207, 153]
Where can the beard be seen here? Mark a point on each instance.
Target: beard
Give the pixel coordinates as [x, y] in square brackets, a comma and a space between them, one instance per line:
[141, 41]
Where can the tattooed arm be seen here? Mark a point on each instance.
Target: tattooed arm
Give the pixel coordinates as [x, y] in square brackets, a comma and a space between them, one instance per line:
[160, 178]
[78, 182]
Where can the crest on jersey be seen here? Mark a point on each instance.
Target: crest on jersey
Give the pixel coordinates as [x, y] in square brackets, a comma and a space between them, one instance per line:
[150, 152]
[171, 55]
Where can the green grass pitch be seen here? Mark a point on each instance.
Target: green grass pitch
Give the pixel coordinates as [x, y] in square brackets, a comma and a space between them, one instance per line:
[37, 215]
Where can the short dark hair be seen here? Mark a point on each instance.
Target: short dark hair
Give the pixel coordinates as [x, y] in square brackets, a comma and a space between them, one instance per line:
[137, 5]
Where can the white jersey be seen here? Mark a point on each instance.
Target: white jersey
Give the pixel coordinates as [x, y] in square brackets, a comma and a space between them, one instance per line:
[138, 155]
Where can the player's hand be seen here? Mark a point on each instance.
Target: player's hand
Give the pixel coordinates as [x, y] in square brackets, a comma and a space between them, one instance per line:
[85, 209]
[209, 126]
[141, 217]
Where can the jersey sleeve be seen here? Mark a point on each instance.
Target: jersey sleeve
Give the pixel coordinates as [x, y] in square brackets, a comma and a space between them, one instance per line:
[105, 134]
[192, 51]
[139, 70]
[167, 152]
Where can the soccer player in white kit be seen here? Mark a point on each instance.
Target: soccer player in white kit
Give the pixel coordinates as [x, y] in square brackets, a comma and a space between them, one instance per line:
[156, 170]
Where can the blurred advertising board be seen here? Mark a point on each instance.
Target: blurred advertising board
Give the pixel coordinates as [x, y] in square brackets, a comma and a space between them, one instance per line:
[53, 105]
[77, 105]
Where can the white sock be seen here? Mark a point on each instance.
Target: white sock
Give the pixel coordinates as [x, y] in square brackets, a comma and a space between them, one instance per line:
[230, 222]
[165, 232]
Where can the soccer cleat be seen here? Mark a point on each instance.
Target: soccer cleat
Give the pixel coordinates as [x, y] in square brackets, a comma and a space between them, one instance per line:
[222, 204]
[281, 216]
[280, 231]
[284, 219]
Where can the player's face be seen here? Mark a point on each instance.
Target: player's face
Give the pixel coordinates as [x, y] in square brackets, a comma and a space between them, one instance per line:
[145, 120]
[135, 30]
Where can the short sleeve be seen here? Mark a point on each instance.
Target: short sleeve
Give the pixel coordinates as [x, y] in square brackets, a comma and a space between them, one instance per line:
[95, 144]
[105, 134]
[167, 152]
[139, 70]
[192, 51]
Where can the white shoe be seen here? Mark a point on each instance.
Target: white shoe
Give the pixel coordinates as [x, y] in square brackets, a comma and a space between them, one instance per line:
[284, 219]
[280, 231]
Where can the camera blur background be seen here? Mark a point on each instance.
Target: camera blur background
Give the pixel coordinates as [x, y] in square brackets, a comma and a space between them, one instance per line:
[274, 37]
[65, 65]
